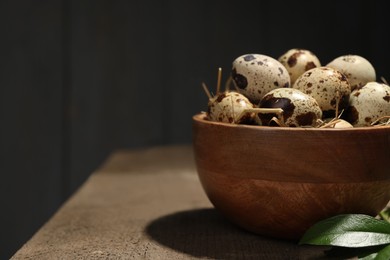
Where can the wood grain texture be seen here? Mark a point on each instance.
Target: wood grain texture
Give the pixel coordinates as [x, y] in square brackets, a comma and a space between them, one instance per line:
[137, 210]
[280, 181]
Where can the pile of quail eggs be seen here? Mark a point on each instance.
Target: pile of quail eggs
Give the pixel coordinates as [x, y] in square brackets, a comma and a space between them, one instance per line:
[295, 90]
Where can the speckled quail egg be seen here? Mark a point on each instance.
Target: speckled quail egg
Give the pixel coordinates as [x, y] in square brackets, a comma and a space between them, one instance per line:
[255, 74]
[299, 109]
[228, 107]
[341, 123]
[357, 69]
[328, 86]
[368, 104]
[335, 123]
[297, 61]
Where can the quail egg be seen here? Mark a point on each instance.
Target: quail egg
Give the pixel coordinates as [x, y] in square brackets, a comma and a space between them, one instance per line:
[299, 109]
[357, 69]
[368, 104]
[297, 61]
[335, 123]
[341, 123]
[328, 86]
[230, 107]
[255, 74]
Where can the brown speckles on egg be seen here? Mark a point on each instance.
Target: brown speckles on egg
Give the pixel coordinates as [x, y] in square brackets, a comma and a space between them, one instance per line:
[368, 104]
[387, 98]
[277, 102]
[292, 60]
[297, 61]
[333, 101]
[259, 76]
[299, 109]
[249, 57]
[357, 70]
[239, 79]
[310, 65]
[358, 87]
[220, 97]
[227, 107]
[343, 77]
[349, 58]
[326, 87]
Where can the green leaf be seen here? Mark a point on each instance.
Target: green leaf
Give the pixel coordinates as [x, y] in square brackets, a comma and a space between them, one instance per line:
[384, 254]
[385, 214]
[365, 253]
[369, 257]
[349, 230]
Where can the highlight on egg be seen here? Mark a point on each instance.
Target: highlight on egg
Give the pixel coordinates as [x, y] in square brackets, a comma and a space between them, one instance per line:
[228, 107]
[357, 69]
[368, 104]
[298, 61]
[299, 109]
[328, 86]
[254, 75]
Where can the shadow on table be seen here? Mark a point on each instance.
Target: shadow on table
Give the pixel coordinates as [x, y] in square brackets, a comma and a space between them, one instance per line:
[205, 233]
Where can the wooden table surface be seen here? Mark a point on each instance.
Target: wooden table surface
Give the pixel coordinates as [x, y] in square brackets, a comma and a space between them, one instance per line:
[149, 204]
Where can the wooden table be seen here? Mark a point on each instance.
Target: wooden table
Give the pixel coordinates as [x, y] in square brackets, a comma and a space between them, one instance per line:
[149, 204]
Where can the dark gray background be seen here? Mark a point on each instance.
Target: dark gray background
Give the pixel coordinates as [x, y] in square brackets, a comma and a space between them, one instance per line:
[79, 79]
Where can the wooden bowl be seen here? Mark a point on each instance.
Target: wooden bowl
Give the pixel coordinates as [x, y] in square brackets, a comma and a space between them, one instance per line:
[278, 181]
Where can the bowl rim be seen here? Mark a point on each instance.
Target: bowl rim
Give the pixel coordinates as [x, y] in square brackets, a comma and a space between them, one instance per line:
[202, 118]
